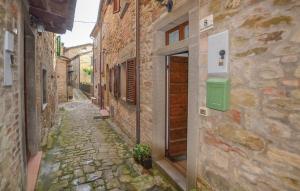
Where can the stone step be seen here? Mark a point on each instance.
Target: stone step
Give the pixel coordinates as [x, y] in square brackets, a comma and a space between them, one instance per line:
[104, 113]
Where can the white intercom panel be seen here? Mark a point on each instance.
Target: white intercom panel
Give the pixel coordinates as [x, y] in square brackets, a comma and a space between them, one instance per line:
[218, 53]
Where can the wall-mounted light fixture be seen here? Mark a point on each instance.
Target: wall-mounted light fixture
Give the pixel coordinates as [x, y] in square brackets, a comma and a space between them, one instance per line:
[36, 23]
[167, 3]
[40, 28]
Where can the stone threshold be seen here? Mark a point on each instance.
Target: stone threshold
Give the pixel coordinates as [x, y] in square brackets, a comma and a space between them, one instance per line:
[169, 170]
[33, 170]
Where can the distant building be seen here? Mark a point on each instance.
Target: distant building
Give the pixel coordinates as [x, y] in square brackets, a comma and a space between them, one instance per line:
[81, 62]
[71, 52]
[63, 75]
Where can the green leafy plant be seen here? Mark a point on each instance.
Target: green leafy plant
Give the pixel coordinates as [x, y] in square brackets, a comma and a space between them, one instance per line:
[88, 71]
[141, 152]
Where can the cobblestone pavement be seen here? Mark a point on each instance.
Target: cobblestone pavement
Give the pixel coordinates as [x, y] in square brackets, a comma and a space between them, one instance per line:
[85, 154]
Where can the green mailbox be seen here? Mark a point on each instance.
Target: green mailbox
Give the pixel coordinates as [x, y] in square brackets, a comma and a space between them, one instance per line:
[218, 92]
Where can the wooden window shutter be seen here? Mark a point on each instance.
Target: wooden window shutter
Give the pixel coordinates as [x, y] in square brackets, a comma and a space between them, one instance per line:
[116, 6]
[131, 81]
[110, 80]
[119, 81]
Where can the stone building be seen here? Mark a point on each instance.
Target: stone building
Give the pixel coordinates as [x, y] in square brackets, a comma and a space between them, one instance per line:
[63, 78]
[162, 98]
[79, 64]
[28, 83]
[71, 52]
[96, 64]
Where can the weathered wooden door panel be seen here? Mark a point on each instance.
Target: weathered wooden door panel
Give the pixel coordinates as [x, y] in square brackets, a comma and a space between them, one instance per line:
[178, 106]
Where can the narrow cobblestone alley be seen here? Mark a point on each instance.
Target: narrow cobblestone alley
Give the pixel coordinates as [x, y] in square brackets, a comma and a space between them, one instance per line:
[85, 154]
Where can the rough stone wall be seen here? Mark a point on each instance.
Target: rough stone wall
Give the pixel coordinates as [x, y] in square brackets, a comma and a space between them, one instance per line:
[45, 60]
[96, 68]
[119, 42]
[11, 165]
[118, 39]
[150, 11]
[12, 124]
[76, 50]
[254, 145]
[62, 76]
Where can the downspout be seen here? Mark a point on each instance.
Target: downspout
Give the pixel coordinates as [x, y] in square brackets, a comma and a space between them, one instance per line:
[93, 77]
[100, 76]
[138, 104]
[100, 69]
[101, 59]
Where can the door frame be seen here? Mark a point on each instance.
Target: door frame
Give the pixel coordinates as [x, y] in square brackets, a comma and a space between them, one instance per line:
[186, 10]
[31, 114]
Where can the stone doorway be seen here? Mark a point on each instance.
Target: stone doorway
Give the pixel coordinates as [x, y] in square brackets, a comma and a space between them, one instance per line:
[186, 11]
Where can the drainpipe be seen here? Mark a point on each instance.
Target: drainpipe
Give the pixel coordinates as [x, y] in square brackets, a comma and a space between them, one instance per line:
[138, 104]
[93, 61]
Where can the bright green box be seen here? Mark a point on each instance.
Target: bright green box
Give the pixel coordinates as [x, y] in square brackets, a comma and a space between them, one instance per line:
[218, 92]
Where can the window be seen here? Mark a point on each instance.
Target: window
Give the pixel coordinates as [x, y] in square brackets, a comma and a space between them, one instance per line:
[177, 33]
[122, 81]
[131, 81]
[111, 80]
[44, 86]
[116, 6]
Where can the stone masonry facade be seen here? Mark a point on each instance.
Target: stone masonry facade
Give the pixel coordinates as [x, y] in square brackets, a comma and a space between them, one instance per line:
[13, 159]
[11, 167]
[62, 79]
[96, 68]
[118, 41]
[73, 51]
[45, 59]
[254, 145]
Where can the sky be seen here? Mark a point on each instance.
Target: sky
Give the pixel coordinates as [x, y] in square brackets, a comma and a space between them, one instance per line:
[87, 11]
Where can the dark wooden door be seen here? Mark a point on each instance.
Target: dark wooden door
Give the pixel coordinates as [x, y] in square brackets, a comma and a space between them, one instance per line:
[178, 106]
[100, 95]
[101, 90]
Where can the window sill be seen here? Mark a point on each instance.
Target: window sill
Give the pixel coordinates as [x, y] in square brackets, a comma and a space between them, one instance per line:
[44, 106]
[128, 106]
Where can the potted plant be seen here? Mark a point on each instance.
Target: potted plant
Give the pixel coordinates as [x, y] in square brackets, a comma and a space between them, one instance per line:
[142, 154]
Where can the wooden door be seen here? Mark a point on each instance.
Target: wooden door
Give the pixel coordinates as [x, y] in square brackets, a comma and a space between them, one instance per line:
[100, 95]
[101, 90]
[178, 106]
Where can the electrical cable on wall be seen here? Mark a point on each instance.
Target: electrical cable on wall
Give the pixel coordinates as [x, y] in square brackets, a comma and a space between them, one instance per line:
[85, 22]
